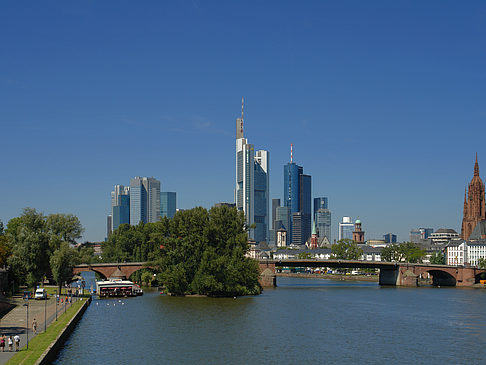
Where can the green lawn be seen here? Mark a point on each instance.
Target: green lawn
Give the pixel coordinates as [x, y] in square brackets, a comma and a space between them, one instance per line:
[41, 342]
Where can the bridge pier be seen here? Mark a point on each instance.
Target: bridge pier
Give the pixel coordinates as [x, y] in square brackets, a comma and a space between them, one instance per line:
[389, 277]
[268, 277]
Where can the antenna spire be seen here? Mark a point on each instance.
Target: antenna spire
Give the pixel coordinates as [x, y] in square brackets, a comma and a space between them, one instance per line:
[242, 105]
[291, 153]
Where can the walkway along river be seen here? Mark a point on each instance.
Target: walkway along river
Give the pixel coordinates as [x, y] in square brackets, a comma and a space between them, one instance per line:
[303, 321]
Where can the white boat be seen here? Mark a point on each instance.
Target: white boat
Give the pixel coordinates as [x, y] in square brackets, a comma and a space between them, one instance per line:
[137, 290]
[115, 288]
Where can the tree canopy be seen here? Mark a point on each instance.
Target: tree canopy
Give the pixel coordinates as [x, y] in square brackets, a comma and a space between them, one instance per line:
[33, 238]
[403, 252]
[346, 249]
[203, 252]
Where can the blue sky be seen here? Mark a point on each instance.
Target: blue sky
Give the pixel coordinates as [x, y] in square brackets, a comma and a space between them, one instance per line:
[383, 101]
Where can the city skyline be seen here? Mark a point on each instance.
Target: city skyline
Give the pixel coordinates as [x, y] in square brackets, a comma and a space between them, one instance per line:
[371, 104]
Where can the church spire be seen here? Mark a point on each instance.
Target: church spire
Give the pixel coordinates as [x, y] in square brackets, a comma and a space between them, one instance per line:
[476, 166]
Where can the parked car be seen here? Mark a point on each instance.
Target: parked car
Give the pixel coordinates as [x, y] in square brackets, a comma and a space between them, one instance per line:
[40, 293]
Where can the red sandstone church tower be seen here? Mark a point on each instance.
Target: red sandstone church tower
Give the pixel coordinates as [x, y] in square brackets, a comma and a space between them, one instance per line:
[474, 208]
[358, 234]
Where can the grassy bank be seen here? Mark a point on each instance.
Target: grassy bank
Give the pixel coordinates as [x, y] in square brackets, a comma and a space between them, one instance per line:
[42, 341]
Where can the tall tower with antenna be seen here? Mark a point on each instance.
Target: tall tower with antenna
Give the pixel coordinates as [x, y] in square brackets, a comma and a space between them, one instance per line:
[252, 183]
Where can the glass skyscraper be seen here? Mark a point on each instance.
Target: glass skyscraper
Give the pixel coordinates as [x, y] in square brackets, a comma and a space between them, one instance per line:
[252, 184]
[297, 197]
[261, 196]
[167, 204]
[320, 203]
[323, 223]
[120, 205]
[144, 200]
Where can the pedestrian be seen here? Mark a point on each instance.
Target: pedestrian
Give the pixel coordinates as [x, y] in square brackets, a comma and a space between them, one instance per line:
[10, 343]
[17, 342]
[2, 343]
[34, 326]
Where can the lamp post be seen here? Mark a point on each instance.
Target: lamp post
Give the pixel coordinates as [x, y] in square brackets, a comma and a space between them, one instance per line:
[56, 304]
[45, 314]
[27, 325]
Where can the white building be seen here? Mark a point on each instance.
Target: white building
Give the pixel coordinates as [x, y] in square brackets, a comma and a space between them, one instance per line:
[443, 236]
[144, 200]
[346, 228]
[465, 253]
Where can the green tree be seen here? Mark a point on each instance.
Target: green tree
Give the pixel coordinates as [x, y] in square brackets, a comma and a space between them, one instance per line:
[346, 249]
[204, 253]
[66, 227]
[437, 258]
[304, 255]
[482, 263]
[62, 262]
[30, 247]
[403, 252]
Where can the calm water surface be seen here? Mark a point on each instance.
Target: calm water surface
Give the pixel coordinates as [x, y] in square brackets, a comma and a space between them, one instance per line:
[303, 321]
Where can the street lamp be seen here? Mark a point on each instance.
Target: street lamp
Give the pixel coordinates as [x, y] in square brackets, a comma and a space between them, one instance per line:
[27, 325]
[45, 314]
[56, 304]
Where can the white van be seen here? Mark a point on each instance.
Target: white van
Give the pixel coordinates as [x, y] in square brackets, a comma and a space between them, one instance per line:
[40, 293]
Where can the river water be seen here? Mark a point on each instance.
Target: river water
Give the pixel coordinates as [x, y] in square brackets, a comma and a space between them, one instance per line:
[302, 321]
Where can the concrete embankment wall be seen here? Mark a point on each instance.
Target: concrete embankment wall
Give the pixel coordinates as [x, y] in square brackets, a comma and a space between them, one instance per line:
[50, 354]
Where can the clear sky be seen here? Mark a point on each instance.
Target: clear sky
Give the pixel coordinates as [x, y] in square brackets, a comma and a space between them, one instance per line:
[384, 102]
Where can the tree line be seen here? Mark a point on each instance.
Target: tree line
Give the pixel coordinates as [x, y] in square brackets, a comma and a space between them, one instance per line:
[35, 246]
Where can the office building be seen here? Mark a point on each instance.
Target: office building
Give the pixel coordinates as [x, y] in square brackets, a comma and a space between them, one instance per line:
[420, 234]
[323, 223]
[275, 205]
[167, 204]
[252, 184]
[144, 200]
[261, 196]
[390, 238]
[320, 203]
[283, 218]
[109, 226]
[346, 228]
[120, 206]
[297, 197]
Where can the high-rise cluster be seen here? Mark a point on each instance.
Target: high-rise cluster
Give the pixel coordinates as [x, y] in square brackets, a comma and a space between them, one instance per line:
[142, 201]
[252, 184]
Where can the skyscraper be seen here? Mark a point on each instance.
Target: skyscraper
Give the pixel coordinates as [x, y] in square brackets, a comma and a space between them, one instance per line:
[320, 203]
[120, 205]
[261, 195]
[297, 197]
[346, 228]
[323, 223]
[252, 184]
[275, 205]
[144, 200]
[167, 204]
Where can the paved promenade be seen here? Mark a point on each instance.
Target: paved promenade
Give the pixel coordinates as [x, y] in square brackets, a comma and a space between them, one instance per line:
[15, 321]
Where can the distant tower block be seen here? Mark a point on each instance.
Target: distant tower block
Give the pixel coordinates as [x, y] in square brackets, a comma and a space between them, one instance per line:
[358, 233]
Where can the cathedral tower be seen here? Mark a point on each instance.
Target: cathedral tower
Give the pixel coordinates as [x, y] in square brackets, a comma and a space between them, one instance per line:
[474, 204]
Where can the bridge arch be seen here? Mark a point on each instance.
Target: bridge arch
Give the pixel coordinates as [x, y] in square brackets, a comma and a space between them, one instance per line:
[442, 278]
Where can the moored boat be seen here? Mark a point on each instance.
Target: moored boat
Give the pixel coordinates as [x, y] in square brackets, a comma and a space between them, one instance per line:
[115, 288]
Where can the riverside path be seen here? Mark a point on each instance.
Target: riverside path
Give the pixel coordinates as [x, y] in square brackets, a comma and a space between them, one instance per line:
[15, 322]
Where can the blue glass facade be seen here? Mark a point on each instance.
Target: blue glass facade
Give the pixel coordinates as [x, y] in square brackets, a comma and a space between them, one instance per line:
[121, 212]
[320, 203]
[298, 198]
[167, 204]
[323, 223]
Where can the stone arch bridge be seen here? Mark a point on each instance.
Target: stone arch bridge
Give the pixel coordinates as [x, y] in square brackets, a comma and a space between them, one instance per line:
[391, 273]
[112, 270]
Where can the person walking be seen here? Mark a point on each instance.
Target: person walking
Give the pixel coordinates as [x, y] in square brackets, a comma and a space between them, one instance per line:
[2, 343]
[10, 343]
[34, 326]
[17, 342]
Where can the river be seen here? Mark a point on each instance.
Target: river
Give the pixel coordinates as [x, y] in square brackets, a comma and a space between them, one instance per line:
[302, 321]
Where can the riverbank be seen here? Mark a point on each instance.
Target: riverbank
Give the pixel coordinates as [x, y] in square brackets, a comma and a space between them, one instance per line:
[16, 322]
[372, 278]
